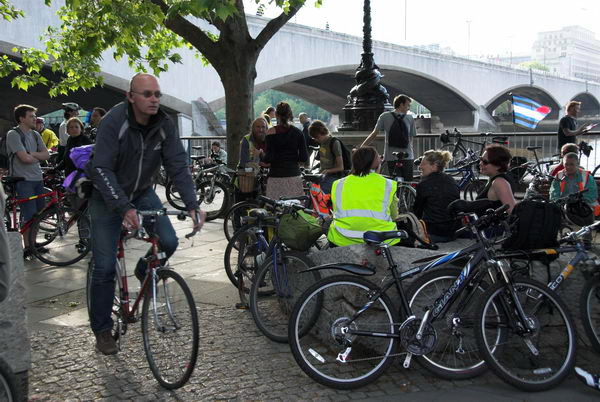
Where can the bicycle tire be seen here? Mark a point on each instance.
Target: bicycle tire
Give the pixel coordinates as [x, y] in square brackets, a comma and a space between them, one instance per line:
[406, 198]
[214, 206]
[171, 292]
[272, 301]
[69, 239]
[318, 351]
[589, 306]
[9, 385]
[240, 256]
[119, 324]
[232, 218]
[173, 197]
[447, 360]
[514, 361]
[473, 189]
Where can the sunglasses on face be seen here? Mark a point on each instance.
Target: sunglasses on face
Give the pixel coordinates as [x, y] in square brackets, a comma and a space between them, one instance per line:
[148, 94]
[484, 161]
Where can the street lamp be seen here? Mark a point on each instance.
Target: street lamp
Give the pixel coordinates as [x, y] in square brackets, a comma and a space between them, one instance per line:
[368, 98]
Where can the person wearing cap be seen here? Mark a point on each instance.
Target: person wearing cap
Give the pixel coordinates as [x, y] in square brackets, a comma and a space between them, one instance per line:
[49, 139]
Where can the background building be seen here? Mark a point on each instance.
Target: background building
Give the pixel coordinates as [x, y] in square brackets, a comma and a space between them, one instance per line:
[572, 51]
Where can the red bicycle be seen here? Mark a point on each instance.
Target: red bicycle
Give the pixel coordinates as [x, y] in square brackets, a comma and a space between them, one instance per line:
[59, 234]
[169, 318]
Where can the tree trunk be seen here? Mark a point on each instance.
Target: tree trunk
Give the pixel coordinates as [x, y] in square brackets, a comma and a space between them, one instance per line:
[239, 93]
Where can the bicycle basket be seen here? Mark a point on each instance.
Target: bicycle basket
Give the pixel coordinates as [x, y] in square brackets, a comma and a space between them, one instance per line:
[299, 231]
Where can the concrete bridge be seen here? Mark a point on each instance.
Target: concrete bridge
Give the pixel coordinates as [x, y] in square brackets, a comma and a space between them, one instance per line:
[318, 66]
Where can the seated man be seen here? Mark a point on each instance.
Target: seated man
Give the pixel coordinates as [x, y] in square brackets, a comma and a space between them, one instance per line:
[574, 179]
[565, 149]
[362, 201]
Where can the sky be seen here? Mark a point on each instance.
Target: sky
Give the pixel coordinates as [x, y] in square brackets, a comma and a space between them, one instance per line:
[469, 27]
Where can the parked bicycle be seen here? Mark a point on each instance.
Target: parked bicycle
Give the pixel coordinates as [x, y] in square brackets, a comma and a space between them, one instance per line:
[459, 148]
[64, 229]
[359, 329]
[169, 318]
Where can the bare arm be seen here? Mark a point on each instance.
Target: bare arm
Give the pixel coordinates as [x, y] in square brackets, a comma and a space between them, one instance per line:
[339, 166]
[24, 157]
[502, 192]
[370, 138]
[41, 155]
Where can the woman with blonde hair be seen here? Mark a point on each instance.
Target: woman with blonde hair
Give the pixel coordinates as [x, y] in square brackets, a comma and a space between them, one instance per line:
[434, 192]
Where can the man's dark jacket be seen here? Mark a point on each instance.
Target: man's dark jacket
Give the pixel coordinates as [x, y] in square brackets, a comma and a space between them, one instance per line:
[127, 155]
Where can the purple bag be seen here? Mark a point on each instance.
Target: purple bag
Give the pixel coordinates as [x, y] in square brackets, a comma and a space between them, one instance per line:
[80, 157]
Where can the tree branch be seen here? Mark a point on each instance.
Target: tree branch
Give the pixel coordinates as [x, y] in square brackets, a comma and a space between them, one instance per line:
[273, 27]
[190, 32]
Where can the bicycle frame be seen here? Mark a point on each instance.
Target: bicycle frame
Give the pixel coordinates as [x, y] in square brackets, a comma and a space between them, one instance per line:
[467, 175]
[13, 201]
[272, 249]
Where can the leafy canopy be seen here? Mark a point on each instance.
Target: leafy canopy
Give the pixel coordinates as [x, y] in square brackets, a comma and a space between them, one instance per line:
[144, 31]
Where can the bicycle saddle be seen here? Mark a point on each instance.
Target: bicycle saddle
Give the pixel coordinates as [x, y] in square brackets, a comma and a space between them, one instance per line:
[313, 178]
[400, 155]
[197, 147]
[12, 179]
[260, 213]
[533, 148]
[197, 157]
[371, 237]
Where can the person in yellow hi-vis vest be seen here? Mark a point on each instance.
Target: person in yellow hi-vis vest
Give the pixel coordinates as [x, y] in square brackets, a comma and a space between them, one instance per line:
[362, 201]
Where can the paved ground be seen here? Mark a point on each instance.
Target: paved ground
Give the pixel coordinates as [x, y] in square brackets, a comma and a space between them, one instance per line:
[235, 363]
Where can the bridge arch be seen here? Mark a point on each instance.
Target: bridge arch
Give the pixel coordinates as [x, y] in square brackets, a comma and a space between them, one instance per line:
[536, 93]
[328, 87]
[589, 104]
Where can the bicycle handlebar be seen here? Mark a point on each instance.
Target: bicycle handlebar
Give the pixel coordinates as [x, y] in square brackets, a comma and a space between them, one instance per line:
[181, 215]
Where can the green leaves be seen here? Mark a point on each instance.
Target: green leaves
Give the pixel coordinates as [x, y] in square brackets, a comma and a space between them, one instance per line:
[8, 11]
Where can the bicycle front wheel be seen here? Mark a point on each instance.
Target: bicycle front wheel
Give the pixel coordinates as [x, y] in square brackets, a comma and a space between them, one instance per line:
[406, 198]
[473, 189]
[66, 232]
[232, 221]
[336, 351]
[534, 360]
[590, 311]
[455, 355]
[274, 292]
[170, 330]
[173, 196]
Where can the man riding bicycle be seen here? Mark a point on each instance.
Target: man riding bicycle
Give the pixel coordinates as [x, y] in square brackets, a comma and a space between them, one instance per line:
[132, 141]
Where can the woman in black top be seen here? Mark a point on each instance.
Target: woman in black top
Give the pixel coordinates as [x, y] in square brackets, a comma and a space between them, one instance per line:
[434, 192]
[494, 164]
[286, 150]
[76, 139]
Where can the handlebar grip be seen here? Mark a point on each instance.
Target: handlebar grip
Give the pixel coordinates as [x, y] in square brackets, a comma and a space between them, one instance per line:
[266, 200]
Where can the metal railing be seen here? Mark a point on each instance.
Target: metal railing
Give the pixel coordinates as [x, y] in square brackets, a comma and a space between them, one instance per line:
[518, 143]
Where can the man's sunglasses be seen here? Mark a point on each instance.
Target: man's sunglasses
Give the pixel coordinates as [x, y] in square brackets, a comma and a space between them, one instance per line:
[149, 94]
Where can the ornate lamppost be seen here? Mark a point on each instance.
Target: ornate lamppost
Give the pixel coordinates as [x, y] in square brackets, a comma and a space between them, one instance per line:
[368, 98]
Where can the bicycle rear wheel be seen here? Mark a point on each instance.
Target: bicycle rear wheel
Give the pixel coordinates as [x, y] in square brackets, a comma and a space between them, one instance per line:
[536, 361]
[406, 198]
[170, 330]
[213, 200]
[590, 311]
[66, 232]
[456, 355]
[173, 197]
[273, 294]
[330, 351]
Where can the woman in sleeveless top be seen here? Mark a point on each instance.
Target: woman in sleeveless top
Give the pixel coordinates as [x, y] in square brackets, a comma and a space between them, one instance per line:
[494, 164]
[286, 150]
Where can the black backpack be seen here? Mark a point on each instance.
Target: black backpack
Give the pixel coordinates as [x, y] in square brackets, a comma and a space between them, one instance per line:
[537, 225]
[5, 157]
[346, 154]
[398, 135]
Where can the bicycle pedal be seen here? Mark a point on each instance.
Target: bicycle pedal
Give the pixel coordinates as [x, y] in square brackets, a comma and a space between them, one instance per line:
[242, 306]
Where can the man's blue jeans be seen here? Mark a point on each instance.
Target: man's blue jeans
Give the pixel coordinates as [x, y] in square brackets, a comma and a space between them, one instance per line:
[106, 229]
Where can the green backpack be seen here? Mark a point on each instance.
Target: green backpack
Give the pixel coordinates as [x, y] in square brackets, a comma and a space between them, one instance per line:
[299, 230]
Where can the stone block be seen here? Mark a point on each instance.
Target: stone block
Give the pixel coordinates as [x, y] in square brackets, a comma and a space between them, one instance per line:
[14, 339]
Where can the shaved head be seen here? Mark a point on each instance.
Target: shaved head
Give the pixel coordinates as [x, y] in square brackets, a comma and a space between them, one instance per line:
[144, 96]
[140, 77]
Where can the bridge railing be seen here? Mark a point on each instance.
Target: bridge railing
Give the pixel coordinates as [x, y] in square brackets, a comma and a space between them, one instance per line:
[517, 143]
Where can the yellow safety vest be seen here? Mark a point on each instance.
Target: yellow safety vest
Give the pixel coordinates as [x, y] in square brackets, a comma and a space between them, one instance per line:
[361, 204]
